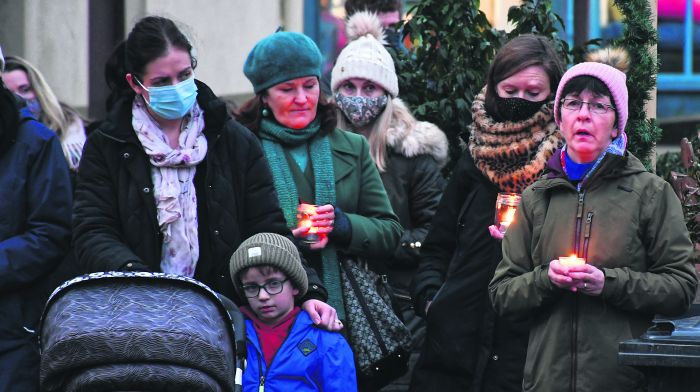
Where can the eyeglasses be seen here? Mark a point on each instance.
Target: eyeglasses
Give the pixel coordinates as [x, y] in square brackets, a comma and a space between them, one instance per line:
[594, 107]
[272, 287]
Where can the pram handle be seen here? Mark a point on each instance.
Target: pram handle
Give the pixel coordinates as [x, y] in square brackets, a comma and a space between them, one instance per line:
[240, 340]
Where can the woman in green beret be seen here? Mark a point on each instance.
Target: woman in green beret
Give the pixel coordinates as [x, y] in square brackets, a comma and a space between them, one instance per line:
[314, 163]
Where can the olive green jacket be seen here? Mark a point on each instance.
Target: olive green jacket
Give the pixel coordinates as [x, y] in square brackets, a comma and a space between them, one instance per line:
[628, 223]
[360, 194]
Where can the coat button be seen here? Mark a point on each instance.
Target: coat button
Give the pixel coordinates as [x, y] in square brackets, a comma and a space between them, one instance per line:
[404, 244]
[315, 287]
[126, 155]
[495, 357]
[216, 232]
[418, 244]
[129, 265]
[146, 190]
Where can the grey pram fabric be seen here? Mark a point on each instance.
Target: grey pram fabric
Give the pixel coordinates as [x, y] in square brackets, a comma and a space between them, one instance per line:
[117, 331]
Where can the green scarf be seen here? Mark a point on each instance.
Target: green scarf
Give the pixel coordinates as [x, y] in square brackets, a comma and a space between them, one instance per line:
[274, 138]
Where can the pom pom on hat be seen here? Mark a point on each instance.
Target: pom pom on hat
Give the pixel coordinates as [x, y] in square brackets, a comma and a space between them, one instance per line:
[280, 57]
[365, 57]
[269, 249]
[602, 65]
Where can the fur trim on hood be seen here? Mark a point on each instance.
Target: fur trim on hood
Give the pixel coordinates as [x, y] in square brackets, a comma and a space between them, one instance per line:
[411, 138]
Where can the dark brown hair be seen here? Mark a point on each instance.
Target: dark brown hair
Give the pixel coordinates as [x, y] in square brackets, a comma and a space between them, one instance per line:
[517, 54]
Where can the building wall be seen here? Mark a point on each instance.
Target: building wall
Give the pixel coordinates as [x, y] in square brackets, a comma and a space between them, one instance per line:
[53, 35]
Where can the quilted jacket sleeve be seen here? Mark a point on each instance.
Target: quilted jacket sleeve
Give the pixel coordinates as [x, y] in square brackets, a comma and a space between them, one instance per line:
[96, 222]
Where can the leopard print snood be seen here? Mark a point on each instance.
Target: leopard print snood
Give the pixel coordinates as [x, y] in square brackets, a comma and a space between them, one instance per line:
[512, 155]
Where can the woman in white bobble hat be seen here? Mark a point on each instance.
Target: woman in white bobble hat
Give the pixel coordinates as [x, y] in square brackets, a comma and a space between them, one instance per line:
[408, 153]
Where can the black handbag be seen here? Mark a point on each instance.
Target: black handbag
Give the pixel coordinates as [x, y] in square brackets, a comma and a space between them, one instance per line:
[379, 339]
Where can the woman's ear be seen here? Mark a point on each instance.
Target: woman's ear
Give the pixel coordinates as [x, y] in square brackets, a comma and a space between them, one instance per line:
[615, 133]
[134, 84]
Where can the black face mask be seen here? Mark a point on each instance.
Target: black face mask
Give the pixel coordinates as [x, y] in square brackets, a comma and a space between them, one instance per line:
[517, 109]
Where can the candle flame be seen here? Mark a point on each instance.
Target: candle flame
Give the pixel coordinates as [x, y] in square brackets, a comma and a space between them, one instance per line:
[509, 215]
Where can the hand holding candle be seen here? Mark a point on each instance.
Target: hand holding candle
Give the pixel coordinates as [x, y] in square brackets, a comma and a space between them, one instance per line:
[313, 224]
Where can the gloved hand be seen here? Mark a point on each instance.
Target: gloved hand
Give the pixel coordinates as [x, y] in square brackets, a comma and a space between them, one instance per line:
[342, 230]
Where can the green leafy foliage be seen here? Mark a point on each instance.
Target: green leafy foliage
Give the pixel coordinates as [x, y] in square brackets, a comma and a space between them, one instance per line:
[454, 45]
[639, 35]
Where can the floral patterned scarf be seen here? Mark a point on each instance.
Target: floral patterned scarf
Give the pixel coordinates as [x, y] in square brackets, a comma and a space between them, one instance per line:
[172, 172]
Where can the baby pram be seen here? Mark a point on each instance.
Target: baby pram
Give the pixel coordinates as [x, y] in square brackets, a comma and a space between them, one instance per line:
[140, 331]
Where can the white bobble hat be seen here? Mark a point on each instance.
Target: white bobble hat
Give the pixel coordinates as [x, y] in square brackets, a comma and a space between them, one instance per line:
[365, 57]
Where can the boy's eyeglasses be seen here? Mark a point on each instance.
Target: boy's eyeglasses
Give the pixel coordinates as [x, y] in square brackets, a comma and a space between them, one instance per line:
[272, 287]
[594, 107]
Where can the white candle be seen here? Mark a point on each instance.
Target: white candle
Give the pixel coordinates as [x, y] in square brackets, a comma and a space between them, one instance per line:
[570, 261]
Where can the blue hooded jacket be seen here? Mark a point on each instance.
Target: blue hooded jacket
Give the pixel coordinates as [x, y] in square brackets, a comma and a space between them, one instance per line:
[310, 359]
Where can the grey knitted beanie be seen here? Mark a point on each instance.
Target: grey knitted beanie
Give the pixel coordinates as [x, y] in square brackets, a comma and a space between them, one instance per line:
[269, 249]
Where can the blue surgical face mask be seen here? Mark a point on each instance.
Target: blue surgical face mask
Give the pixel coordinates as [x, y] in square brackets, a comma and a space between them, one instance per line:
[172, 102]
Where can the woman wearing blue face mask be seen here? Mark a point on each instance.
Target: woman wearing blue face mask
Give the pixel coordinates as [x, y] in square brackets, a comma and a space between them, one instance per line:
[169, 182]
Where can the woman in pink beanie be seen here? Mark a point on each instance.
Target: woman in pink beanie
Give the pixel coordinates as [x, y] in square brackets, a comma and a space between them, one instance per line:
[623, 228]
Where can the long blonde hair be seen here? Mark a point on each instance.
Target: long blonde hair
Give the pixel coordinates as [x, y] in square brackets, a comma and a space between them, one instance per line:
[54, 114]
[393, 116]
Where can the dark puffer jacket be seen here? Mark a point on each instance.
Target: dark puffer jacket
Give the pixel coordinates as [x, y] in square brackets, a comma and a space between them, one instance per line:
[467, 348]
[417, 150]
[115, 225]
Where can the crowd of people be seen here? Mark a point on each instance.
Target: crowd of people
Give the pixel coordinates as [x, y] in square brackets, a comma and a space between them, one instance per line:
[172, 181]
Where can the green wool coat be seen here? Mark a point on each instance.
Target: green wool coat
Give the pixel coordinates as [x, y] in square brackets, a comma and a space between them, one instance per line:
[360, 194]
[630, 226]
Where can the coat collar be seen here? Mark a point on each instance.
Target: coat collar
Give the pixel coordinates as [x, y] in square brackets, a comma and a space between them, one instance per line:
[344, 154]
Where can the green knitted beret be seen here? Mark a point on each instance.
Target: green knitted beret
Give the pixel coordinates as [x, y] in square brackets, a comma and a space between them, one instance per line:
[269, 249]
[280, 57]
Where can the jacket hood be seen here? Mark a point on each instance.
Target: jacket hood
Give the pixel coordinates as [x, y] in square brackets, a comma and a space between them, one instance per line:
[411, 138]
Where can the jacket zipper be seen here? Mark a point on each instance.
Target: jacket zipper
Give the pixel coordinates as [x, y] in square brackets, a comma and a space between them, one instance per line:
[587, 234]
[580, 253]
[579, 219]
[261, 386]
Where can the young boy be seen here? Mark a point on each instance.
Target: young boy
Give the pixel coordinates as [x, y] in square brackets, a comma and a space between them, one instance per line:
[286, 352]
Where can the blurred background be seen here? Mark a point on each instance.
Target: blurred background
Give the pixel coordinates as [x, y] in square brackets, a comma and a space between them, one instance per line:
[69, 41]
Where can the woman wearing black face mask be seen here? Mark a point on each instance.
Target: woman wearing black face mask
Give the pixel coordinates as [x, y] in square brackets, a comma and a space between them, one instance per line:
[513, 134]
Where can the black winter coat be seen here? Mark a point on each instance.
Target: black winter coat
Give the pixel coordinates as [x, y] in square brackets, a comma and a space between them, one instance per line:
[467, 346]
[114, 216]
[414, 186]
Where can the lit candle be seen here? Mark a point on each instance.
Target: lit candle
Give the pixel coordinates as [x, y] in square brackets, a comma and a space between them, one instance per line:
[506, 205]
[570, 261]
[508, 217]
[304, 213]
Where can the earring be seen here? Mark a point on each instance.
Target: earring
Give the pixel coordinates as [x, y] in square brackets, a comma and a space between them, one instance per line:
[265, 112]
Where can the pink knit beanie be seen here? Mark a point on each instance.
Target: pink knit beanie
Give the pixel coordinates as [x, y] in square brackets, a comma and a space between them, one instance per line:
[614, 79]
